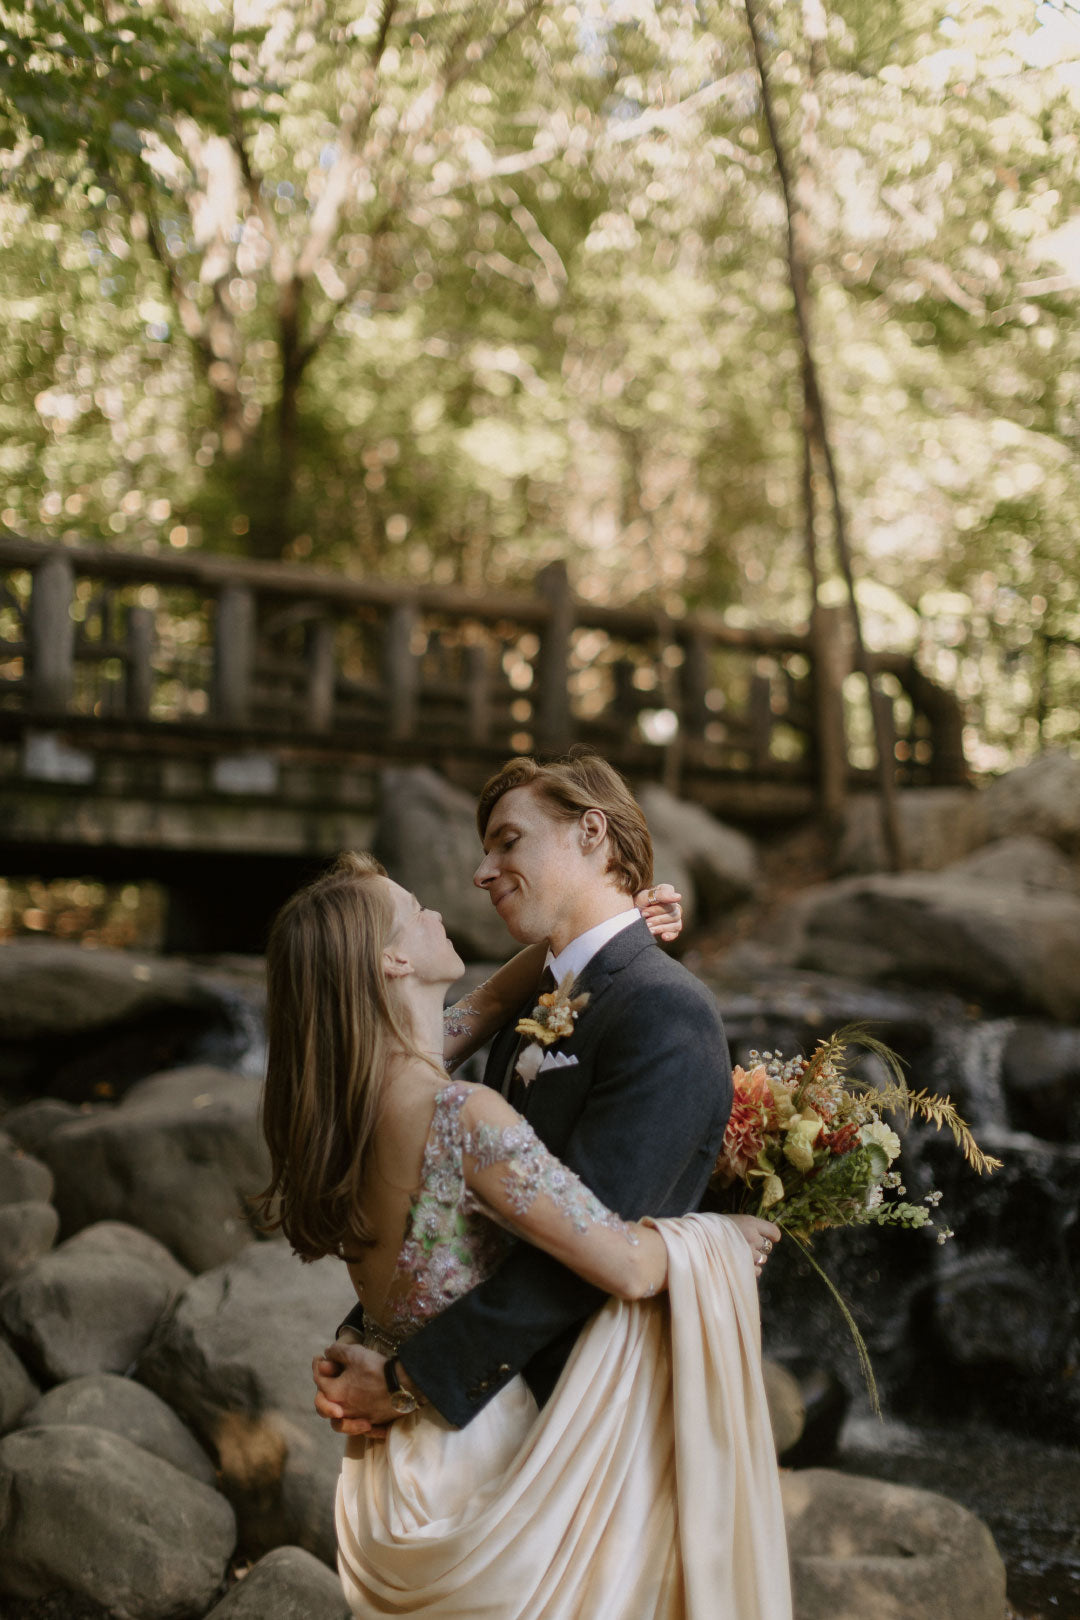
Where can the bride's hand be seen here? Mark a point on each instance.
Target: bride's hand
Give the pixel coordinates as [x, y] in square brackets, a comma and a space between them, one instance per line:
[661, 910]
[762, 1236]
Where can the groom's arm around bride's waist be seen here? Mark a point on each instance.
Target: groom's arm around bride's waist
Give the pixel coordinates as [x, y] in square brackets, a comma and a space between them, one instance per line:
[655, 1079]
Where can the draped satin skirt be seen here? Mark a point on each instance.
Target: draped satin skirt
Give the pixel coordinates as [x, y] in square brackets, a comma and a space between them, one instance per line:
[646, 1489]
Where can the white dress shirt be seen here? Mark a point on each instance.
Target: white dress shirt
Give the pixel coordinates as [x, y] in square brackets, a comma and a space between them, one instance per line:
[580, 951]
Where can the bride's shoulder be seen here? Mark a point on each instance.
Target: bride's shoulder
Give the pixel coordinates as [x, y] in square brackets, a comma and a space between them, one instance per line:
[482, 1104]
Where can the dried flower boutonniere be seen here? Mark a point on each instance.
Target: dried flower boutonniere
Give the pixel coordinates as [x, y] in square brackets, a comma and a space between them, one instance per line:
[552, 1019]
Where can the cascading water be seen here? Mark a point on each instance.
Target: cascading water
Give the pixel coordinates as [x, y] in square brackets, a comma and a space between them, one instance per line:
[974, 1342]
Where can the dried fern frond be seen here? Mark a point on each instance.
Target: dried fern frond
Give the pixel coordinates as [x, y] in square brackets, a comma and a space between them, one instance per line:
[939, 1111]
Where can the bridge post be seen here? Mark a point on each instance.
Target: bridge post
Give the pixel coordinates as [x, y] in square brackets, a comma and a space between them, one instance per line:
[552, 712]
[234, 655]
[52, 635]
[140, 676]
[696, 682]
[832, 664]
[478, 691]
[401, 672]
[322, 675]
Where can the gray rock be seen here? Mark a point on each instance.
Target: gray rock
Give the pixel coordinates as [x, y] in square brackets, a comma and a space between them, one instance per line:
[23, 1179]
[88, 1512]
[427, 840]
[17, 1389]
[1033, 863]
[1016, 947]
[288, 1584]
[27, 1231]
[938, 826]
[91, 1305]
[232, 1358]
[787, 1413]
[177, 1158]
[1041, 798]
[865, 1550]
[723, 863]
[990, 1309]
[32, 1123]
[104, 1401]
[1041, 1070]
[49, 988]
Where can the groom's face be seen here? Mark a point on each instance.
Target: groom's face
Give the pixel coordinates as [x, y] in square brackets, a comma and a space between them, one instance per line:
[533, 866]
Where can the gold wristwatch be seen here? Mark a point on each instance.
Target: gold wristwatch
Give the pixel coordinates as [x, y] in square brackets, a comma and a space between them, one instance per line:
[402, 1400]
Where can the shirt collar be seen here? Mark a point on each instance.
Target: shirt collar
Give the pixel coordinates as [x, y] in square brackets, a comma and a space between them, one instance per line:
[574, 958]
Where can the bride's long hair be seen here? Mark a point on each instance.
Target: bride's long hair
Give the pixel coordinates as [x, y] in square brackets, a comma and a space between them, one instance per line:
[332, 1024]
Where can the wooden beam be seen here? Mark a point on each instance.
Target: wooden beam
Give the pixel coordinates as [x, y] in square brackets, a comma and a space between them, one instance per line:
[52, 635]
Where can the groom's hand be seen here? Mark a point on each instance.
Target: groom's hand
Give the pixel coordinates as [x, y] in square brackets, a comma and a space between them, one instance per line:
[351, 1390]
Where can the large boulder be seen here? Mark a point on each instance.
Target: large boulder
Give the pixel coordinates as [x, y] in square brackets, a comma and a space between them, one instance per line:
[723, 863]
[427, 840]
[48, 987]
[1033, 863]
[91, 1305]
[104, 1401]
[865, 1550]
[89, 1512]
[23, 1179]
[18, 1391]
[232, 1358]
[938, 826]
[179, 1157]
[82, 1023]
[1040, 1067]
[288, 1584]
[989, 1309]
[787, 1413]
[32, 1123]
[1014, 947]
[1041, 798]
[27, 1231]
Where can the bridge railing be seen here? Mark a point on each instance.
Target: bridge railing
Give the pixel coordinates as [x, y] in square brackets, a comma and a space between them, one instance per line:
[229, 647]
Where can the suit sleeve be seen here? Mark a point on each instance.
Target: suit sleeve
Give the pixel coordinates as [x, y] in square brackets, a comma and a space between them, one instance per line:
[657, 1104]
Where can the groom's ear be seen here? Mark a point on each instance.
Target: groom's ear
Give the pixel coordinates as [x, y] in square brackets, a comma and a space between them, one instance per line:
[592, 830]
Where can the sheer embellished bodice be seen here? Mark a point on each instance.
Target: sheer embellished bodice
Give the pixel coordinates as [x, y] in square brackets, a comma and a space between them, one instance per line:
[453, 1238]
[449, 1245]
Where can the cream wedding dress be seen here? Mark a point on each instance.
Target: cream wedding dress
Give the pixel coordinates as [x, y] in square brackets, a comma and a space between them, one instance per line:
[647, 1487]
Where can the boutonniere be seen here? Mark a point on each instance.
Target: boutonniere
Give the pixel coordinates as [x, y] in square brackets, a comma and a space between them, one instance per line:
[552, 1019]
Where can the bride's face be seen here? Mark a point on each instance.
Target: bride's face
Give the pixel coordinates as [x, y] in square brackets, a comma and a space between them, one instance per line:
[420, 938]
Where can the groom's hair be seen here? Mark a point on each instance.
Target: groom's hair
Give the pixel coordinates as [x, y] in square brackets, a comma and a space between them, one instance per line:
[582, 781]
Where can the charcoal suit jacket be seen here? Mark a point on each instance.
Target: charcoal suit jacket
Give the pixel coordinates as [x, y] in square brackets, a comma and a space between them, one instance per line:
[639, 1117]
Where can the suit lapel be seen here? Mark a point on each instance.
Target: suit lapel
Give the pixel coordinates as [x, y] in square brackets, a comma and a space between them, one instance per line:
[594, 978]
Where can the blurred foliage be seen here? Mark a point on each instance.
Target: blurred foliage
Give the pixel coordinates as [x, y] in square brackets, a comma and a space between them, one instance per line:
[453, 287]
[123, 915]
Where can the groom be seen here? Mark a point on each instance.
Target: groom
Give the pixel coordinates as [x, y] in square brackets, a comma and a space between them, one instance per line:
[635, 1102]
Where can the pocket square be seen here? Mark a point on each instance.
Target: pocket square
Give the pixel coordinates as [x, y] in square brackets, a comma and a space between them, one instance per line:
[557, 1060]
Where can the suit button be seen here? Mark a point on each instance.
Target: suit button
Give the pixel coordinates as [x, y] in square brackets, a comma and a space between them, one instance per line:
[503, 1370]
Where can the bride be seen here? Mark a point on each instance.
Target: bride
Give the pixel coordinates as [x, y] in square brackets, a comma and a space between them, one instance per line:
[646, 1488]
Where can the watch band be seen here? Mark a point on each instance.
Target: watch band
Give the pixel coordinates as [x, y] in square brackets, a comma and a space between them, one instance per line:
[402, 1400]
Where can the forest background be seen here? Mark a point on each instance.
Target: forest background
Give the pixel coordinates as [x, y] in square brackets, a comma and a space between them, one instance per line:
[448, 289]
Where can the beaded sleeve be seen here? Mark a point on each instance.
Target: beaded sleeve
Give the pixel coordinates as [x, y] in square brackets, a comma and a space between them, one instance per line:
[531, 1171]
[456, 1019]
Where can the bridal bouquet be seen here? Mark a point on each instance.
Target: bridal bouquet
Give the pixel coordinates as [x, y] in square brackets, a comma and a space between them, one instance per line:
[807, 1146]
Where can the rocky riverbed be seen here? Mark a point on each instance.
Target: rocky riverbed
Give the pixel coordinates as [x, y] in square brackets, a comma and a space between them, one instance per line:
[159, 1456]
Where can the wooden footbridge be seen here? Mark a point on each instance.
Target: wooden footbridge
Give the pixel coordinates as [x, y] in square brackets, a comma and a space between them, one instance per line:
[215, 724]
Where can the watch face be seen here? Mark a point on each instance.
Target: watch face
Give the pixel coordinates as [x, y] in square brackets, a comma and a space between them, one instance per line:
[403, 1403]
